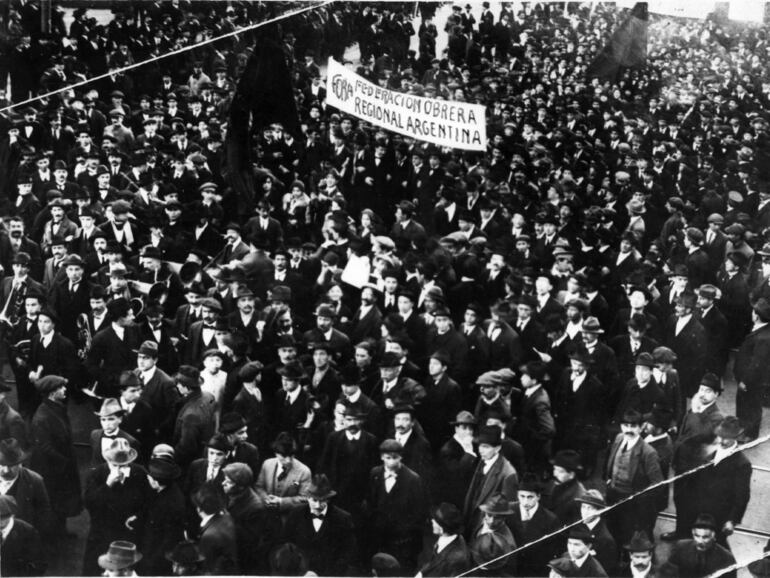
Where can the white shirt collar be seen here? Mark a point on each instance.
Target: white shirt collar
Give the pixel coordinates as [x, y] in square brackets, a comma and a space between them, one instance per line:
[293, 395]
[120, 331]
[580, 561]
[530, 391]
[444, 541]
[7, 529]
[351, 437]
[355, 397]
[205, 519]
[489, 463]
[629, 444]
[46, 340]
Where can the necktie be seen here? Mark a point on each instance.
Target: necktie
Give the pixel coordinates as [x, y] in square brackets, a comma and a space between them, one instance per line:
[282, 475]
[318, 517]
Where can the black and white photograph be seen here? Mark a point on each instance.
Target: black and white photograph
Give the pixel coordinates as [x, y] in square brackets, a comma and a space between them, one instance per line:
[384, 288]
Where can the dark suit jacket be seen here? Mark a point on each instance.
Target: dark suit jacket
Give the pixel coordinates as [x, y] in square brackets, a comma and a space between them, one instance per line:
[591, 568]
[644, 466]
[218, 543]
[715, 326]
[505, 351]
[194, 426]
[162, 528]
[366, 327]
[22, 552]
[684, 556]
[690, 348]
[454, 559]
[535, 428]
[441, 404]
[32, 500]
[331, 551]
[501, 479]
[400, 512]
[59, 358]
[750, 362]
[348, 464]
[532, 561]
[194, 348]
[109, 356]
[724, 489]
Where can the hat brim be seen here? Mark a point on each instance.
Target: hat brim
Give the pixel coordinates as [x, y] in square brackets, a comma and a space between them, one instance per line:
[108, 564]
[324, 496]
[131, 458]
[21, 458]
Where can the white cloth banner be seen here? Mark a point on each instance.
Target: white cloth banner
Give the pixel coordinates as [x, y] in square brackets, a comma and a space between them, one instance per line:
[446, 123]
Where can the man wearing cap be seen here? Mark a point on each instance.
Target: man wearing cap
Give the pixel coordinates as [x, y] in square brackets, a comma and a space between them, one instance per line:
[701, 555]
[529, 522]
[234, 426]
[750, 369]
[194, 421]
[248, 513]
[640, 393]
[686, 336]
[110, 416]
[323, 531]
[115, 495]
[697, 429]
[563, 489]
[534, 426]
[632, 466]
[393, 387]
[128, 233]
[163, 519]
[324, 331]
[22, 554]
[112, 349]
[725, 489]
[397, 507]
[735, 303]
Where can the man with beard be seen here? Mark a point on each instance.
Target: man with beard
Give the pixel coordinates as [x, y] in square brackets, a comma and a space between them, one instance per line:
[202, 333]
[701, 555]
[347, 459]
[243, 504]
[128, 234]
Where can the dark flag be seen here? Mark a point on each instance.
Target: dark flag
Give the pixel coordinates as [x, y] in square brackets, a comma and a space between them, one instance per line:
[626, 49]
[264, 95]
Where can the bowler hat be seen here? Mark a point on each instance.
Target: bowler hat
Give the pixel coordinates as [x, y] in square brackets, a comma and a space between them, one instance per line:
[11, 452]
[582, 533]
[567, 459]
[497, 505]
[231, 422]
[686, 299]
[292, 370]
[285, 341]
[592, 498]
[220, 442]
[320, 488]
[21, 258]
[120, 555]
[712, 381]
[391, 446]
[490, 435]
[74, 259]
[49, 383]
[694, 235]
[118, 308]
[188, 376]
[119, 452]
[110, 406]
[530, 483]
[280, 293]
[729, 427]
[705, 521]
[632, 417]
[163, 469]
[239, 473]
[535, 370]
[390, 359]
[662, 354]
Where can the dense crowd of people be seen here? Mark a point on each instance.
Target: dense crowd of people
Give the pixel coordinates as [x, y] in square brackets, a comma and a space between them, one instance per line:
[393, 357]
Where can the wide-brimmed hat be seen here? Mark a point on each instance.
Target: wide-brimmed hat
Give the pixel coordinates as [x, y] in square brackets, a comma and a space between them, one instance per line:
[163, 469]
[148, 348]
[188, 376]
[464, 418]
[639, 543]
[497, 505]
[320, 488]
[120, 555]
[592, 325]
[592, 498]
[185, 552]
[119, 452]
[11, 452]
[110, 406]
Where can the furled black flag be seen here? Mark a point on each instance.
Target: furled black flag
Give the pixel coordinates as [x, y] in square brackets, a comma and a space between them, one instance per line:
[626, 49]
[264, 95]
